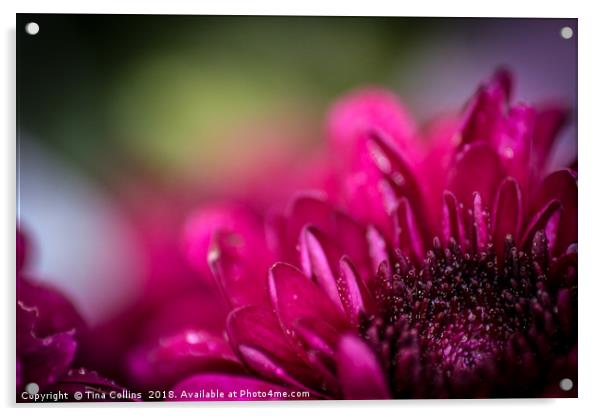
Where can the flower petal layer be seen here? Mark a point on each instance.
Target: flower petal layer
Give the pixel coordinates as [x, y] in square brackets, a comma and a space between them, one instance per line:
[359, 371]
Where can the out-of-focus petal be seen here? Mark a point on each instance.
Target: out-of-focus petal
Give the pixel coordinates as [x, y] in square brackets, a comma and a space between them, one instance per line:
[162, 362]
[308, 209]
[54, 312]
[396, 169]
[263, 364]
[353, 242]
[442, 140]
[514, 142]
[228, 387]
[353, 123]
[549, 121]
[200, 227]
[44, 358]
[476, 169]
[363, 110]
[377, 247]
[93, 387]
[239, 264]
[485, 111]
[195, 308]
[359, 371]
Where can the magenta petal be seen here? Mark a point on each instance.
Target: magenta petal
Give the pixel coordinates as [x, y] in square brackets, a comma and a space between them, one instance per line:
[200, 228]
[565, 310]
[507, 214]
[368, 196]
[562, 186]
[258, 326]
[52, 359]
[359, 372]
[239, 268]
[480, 224]
[163, 362]
[359, 112]
[351, 237]
[43, 359]
[546, 219]
[296, 297]
[308, 209]
[194, 308]
[353, 292]
[441, 139]
[407, 230]
[477, 169]
[276, 238]
[259, 339]
[371, 172]
[317, 336]
[452, 223]
[54, 312]
[396, 168]
[227, 387]
[90, 382]
[548, 123]
[563, 272]
[377, 249]
[316, 253]
[514, 143]
[486, 109]
[264, 365]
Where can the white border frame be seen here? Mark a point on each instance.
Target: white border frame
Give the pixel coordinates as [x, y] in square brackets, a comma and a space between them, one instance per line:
[590, 207]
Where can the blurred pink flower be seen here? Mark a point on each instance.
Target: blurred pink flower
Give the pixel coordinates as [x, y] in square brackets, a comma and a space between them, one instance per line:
[435, 263]
[48, 330]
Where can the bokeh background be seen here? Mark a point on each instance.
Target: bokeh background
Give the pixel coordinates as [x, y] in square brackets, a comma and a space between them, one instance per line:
[126, 122]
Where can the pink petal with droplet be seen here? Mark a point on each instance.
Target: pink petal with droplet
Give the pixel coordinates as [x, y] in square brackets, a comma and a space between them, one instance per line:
[545, 219]
[480, 224]
[353, 292]
[295, 297]
[317, 253]
[238, 264]
[452, 223]
[407, 230]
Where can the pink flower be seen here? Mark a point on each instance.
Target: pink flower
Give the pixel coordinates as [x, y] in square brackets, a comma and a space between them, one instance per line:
[48, 327]
[435, 263]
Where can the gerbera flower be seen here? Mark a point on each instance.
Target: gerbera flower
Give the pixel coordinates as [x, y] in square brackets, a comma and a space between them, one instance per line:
[436, 263]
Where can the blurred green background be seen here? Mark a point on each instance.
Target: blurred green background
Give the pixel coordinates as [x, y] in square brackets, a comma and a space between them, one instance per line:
[163, 92]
